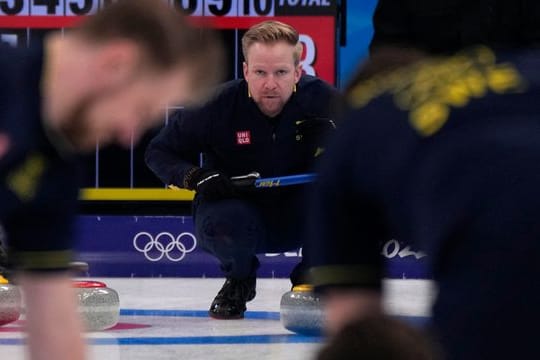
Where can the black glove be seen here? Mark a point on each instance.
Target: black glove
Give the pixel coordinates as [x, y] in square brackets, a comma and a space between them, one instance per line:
[212, 185]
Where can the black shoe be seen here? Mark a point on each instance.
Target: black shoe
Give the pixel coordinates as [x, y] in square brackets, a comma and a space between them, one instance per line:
[230, 302]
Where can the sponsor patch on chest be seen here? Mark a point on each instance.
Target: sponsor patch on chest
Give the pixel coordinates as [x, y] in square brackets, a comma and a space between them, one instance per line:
[243, 137]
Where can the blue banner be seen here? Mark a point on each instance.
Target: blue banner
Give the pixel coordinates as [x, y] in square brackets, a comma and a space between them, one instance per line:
[166, 246]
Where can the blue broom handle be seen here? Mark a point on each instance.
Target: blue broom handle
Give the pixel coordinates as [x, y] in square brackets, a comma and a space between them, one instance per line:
[285, 180]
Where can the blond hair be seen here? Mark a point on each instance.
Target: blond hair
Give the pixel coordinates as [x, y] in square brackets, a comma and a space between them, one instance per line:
[165, 36]
[268, 32]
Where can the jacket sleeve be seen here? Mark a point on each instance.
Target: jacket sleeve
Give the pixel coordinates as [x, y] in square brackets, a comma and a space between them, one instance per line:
[175, 151]
[320, 111]
[345, 223]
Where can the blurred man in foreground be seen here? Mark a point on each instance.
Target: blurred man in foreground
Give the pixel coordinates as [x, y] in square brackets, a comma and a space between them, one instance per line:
[107, 80]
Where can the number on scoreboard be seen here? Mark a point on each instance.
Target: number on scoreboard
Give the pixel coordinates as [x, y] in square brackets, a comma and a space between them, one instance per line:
[46, 7]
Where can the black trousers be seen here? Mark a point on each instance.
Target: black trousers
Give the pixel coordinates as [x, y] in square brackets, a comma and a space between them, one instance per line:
[234, 231]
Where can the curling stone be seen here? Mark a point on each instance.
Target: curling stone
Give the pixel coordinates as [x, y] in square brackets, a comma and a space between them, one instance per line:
[10, 302]
[301, 311]
[79, 267]
[99, 305]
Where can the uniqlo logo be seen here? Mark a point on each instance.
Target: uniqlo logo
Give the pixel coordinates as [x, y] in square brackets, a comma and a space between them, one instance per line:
[243, 137]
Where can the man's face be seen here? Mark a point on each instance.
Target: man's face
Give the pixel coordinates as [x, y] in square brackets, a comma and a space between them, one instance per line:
[123, 113]
[271, 75]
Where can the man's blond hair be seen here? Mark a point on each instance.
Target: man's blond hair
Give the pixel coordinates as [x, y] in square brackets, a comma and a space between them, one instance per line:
[268, 32]
[164, 35]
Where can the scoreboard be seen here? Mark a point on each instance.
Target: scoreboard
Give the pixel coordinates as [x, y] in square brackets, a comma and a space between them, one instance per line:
[22, 21]
[314, 19]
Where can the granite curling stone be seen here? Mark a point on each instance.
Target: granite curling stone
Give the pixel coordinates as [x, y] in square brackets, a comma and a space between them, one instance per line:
[99, 305]
[301, 311]
[10, 302]
[79, 267]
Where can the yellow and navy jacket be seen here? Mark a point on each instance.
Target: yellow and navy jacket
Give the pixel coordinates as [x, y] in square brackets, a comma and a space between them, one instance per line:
[444, 155]
[38, 186]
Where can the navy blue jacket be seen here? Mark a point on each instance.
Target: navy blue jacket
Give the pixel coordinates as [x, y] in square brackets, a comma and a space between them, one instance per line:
[446, 26]
[444, 156]
[38, 185]
[237, 138]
